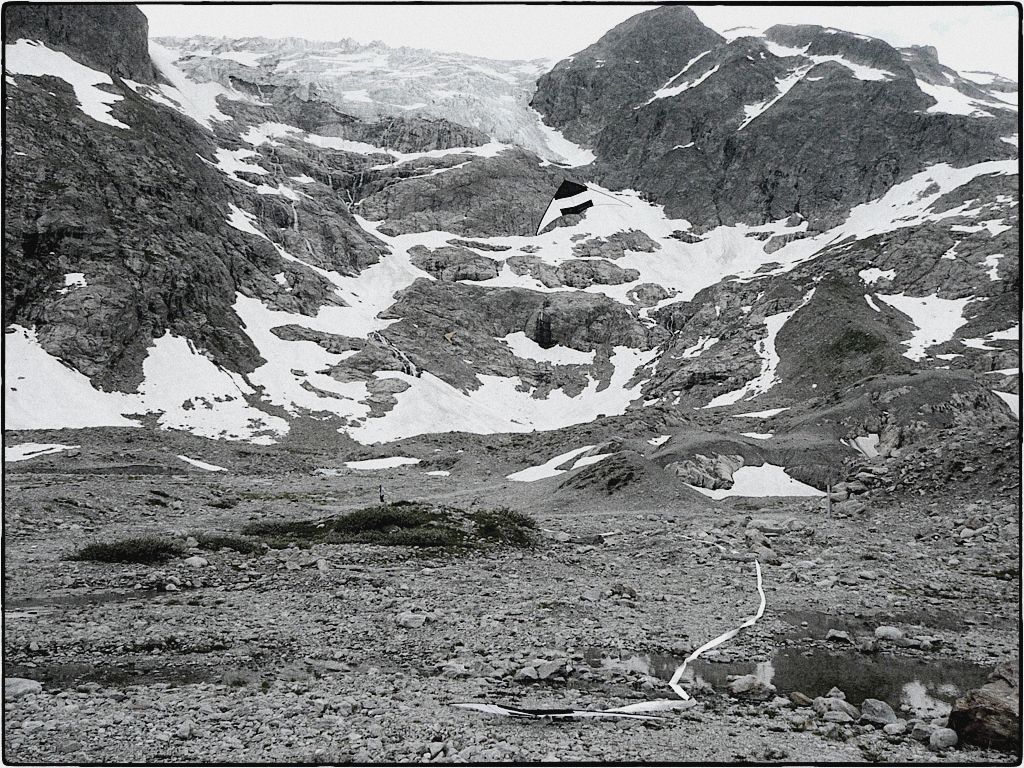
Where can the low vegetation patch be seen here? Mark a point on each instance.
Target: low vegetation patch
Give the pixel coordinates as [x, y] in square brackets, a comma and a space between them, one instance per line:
[403, 523]
[143, 549]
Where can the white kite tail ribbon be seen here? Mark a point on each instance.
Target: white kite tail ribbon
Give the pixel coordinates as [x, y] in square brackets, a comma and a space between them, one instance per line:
[749, 622]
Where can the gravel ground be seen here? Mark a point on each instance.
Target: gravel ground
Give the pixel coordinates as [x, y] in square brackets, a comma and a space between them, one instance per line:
[342, 653]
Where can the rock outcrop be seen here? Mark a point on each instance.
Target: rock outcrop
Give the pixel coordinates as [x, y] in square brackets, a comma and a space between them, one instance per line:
[111, 38]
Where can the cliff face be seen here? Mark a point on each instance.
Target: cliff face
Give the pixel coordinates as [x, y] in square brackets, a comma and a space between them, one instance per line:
[600, 84]
[802, 120]
[112, 38]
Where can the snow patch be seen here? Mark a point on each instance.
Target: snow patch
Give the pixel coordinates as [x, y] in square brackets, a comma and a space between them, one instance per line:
[1012, 400]
[783, 85]
[766, 480]
[660, 440]
[201, 464]
[210, 401]
[992, 262]
[874, 274]
[573, 154]
[1010, 334]
[675, 90]
[704, 343]
[28, 57]
[525, 347]
[25, 451]
[763, 414]
[936, 320]
[866, 445]
[548, 468]
[41, 392]
[586, 461]
[431, 405]
[759, 435]
[387, 463]
[951, 101]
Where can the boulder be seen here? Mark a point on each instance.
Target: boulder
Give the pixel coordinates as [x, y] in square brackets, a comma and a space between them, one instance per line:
[16, 687]
[990, 716]
[838, 636]
[751, 687]
[876, 712]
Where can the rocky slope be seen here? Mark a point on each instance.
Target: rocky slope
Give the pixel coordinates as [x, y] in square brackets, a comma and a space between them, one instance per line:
[229, 208]
[758, 128]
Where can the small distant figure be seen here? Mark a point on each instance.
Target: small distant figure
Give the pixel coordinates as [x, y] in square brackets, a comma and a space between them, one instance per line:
[381, 491]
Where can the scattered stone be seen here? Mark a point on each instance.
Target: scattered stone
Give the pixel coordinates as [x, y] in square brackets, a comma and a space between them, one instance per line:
[920, 731]
[876, 712]
[549, 668]
[185, 730]
[800, 699]
[16, 687]
[751, 687]
[526, 673]
[942, 738]
[838, 636]
[897, 728]
[196, 561]
[888, 633]
[411, 620]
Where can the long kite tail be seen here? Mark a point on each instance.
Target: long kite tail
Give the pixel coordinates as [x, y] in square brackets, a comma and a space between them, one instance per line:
[749, 622]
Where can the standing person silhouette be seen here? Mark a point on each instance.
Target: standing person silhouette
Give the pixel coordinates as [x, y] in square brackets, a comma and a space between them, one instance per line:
[381, 491]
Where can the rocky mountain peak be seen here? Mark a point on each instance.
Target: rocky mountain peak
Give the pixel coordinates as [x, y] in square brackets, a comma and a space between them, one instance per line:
[110, 38]
[583, 92]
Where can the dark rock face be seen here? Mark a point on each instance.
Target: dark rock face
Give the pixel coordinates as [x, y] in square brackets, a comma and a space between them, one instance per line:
[140, 214]
[503, 195]
[837, 340]
[583, 93]
[112, 38]
[990, 716]
[816, 150]
[453, 263]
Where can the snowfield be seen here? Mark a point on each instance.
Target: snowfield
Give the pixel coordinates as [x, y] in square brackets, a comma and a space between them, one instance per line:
[760, 482]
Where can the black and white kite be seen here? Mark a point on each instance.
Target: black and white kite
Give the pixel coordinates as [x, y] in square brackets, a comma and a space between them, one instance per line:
[569, 198]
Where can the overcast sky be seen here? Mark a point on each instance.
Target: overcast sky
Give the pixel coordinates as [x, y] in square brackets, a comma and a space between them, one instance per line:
[968, 37]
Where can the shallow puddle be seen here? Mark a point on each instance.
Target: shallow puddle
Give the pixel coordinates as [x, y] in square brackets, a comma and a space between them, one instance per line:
[918, 687]
[71, 674]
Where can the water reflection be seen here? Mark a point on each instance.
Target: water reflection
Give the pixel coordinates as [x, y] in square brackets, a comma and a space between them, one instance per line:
[925, 688]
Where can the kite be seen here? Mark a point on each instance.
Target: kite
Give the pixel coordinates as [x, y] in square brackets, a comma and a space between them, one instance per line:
[572, 197]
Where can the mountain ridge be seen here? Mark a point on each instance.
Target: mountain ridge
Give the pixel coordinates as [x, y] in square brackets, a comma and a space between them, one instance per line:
[382, 271]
